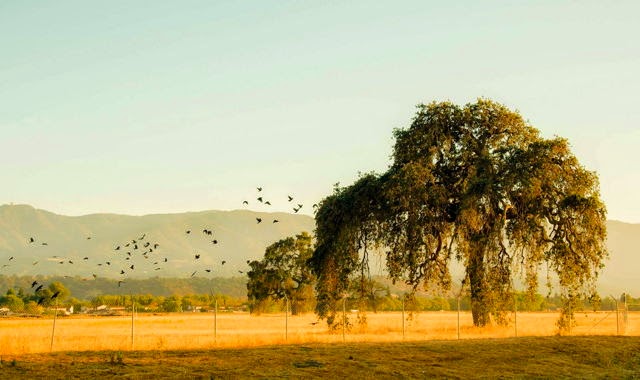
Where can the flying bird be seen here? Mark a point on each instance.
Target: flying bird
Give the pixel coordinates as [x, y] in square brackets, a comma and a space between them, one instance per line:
[245, 202]
[259, 220]
[38, 288]
[34, 283]
[259, 188]
[194, 273]
[122, 271]
[85, 258]
[187, 232]
[276, 221]
[10, 258]
[290, 198]
[55, 295]
[197, 257]
[208, 270]
[31, 240]
[223, 262]
[132, 267]
[117, 248]
[214, 241]
[259, 199]
[267, 203]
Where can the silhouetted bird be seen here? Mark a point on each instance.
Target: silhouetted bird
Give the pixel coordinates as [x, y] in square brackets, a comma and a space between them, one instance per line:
[245, 202]
[296, 210]
[147, 244]
[259, 220]
[55, 295]
[194, 273]
[259, 188]
[38, 288]
[187, 232]
[35, 262]
[276, 221]
[108, 263]
[156, 245]
[267, 203]
[34, 283]
[132, 267]
[88, 237]
[117, 248]
[135, 246]
[45, 244]
[241, 272]
[31, 240]
[142, 237]
[157, 269]
[122, 271]
[70, 262]
[197, 257]
[165, 259]
[95, 276]
[208, 270]
[10, 258]
[299, 206]
[214, 241]
[128, 244]
[259, 199]
[223, 262]
[290, 198]
[85, 258]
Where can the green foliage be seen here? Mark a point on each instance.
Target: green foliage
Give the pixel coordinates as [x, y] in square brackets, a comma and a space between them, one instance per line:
[283, 274]
[476, 184]
[13, 302]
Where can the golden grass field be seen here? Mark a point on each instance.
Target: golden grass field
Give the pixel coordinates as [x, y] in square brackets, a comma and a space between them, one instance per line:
[184, 346]
[189, 331]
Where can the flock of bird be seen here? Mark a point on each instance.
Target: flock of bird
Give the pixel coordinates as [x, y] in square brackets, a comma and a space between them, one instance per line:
[138, 251]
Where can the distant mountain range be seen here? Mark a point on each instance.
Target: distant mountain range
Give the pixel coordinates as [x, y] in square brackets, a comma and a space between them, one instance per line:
[70, 239]
[238, 234]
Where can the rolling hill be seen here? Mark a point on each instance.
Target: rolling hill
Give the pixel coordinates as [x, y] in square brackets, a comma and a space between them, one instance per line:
[239, 237]
[70, 239]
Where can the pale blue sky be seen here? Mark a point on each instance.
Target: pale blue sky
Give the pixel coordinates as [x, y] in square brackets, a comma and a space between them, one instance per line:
[149, 107]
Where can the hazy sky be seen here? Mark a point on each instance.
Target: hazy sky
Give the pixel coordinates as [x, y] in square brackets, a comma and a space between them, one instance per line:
[150, 107]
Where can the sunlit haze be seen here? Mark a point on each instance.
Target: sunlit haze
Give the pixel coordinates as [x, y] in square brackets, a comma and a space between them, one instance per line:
[156, 107]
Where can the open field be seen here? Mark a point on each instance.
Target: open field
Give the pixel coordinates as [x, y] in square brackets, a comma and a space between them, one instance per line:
[188, 331]
[528, 357]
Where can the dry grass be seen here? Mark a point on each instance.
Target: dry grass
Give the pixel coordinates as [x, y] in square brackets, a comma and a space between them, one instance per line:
[196, 331]
[529, 357]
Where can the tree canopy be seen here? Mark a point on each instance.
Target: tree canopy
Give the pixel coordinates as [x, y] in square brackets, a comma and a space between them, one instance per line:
[475, 184]
[283, 273]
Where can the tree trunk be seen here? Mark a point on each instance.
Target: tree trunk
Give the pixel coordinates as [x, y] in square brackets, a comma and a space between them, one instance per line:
[476, 274]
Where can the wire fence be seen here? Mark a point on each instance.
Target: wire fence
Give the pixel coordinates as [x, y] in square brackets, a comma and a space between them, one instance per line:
[216, 328]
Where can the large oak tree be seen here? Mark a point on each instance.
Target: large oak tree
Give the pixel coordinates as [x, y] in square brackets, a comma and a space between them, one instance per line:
[475, 184]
